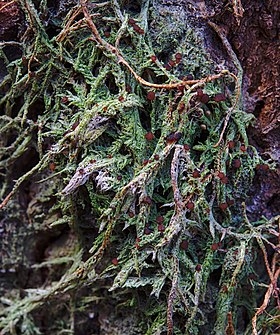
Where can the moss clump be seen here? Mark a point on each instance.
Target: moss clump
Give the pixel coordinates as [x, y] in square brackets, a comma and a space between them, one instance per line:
[160, 218]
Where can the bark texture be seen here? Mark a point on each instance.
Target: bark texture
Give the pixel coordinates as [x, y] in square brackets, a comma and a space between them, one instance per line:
[42, 249]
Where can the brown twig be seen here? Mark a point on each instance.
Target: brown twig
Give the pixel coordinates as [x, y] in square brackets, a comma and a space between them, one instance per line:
[97, 38]
[269, 271]
[273, 272]
[6, 200]
[7, 4]
[238, 79]
[230, 328]
[67, 27]
[264, 305]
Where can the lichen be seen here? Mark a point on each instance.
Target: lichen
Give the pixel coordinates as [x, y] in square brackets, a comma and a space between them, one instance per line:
[157, 218]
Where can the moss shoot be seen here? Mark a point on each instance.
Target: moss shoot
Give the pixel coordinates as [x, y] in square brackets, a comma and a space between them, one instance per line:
[140, 149]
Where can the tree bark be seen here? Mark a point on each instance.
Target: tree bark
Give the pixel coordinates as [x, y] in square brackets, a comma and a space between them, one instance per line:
[139, 167]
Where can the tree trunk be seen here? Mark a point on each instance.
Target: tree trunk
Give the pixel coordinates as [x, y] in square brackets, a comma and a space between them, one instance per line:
[138, 167]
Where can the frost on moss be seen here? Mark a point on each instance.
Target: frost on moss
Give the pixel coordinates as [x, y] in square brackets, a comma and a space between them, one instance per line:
[159, 221]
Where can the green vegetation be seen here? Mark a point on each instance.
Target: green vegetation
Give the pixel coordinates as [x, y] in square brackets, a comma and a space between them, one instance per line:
[160, 179]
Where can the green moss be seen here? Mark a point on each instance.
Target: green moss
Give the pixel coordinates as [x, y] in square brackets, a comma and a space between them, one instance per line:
[92, 128]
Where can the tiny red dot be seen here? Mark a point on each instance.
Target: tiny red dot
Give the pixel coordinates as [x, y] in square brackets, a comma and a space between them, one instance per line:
[64, 100]
[224, 180]
[214, 246]
[243, 148]
[52, 166]
[160, 219]
[223, 206]
[145, 161]
[147, 231]
[136, 28]
[221, 175]
[153, 58]
[131, 21]
[204, 98]
[171, 63]
[151, 96]
[161, 228]
[236, 163]
[149, 136]
[190, 205]
[115, 261]
[167, 67]
[231, 144]
[184, 244]
[219, 97]
[147, 200]
[196, 174]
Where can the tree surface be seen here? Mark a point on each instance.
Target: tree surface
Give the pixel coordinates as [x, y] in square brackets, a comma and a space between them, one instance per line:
[139, 176]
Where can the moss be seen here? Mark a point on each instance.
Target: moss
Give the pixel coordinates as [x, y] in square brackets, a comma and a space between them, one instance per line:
[90, 131]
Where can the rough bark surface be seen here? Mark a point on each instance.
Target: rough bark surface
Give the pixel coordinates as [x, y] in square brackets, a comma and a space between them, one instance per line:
[256, 42]
[254, 37]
